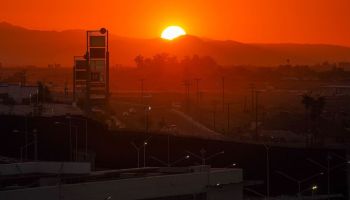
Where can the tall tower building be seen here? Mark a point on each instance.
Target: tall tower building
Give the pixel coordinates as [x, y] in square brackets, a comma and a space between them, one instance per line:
[91, 71]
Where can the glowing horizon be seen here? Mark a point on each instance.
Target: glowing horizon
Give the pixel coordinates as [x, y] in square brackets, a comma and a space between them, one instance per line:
[270, 21]
[172, 32]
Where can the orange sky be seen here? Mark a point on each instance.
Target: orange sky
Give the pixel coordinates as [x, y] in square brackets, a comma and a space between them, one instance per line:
[299, 21]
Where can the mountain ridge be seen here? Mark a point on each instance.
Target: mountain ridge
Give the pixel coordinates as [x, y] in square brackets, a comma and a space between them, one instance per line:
[22, 46]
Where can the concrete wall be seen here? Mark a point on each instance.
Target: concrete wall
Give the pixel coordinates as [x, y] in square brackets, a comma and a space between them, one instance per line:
[45, 168]
[230, 187]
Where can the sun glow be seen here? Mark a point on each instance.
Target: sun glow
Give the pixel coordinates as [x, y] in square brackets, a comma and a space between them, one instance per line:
[172, 32]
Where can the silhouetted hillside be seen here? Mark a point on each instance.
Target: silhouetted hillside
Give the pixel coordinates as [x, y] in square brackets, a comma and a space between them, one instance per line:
[20, 46]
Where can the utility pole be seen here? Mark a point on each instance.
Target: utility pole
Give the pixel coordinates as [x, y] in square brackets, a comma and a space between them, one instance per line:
[245, 104]
[197, 92]
[26, 137]
[223, 93]
[252, 86]
[256, 114]
[187, 88]
[214, 120]
[35, 135]
[267, 148]
[228, 118]
[142, 90]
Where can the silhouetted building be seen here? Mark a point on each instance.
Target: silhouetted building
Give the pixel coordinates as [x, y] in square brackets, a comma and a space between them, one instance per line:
[91, 71]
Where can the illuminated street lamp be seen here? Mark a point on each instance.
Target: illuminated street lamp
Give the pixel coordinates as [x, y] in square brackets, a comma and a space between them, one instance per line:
[328, 167]
[313, 189]
[138, 148]
[299, 181]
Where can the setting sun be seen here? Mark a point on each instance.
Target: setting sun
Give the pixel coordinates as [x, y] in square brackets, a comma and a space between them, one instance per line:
[172, 32]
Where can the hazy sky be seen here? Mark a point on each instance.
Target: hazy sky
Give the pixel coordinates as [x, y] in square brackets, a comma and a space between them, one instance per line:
[300, 21]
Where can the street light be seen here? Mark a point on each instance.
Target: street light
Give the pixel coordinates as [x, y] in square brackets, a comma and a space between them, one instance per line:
[232, 165]
[145, 143]
[147, 110]
[138, 148]
[328, 168]
[313, 189]
[267, 148]
[170, 164]
[299, 181]
[204, 158]
[70, 138]
[86, 132]
[26, 145]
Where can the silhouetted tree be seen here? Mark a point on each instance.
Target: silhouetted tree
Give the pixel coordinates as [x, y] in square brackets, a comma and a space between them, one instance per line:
[44, 94]
[139, 60]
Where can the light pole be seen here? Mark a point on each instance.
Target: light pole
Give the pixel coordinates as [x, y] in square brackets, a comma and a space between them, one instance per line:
[204, 158]
[138, 153]
[147, 110]
[223, 93]
[299, 181]
[228, 118]
[86, 132]
[71, 139]
[26, 145]
[328, 168]
[168, 148]
[142, 89]
[144, 153]
[170, 164]
[76, 142]
[35, 135]
[138, 148]
[256, 114]
[313, 188]
[267, 148]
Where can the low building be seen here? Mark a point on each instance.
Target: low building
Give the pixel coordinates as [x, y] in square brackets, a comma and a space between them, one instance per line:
[17, 92]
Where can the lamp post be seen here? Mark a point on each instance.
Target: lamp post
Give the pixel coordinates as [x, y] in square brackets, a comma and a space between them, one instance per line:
[138, 153]
[204, 158]
[299, 181]
[71, 139]
[76, 142]
[26, 145]
[170, 164]
[328, 167]
[147, 110]
[313, 189]
[70, 136]
[138, 148]
[267, 148]
[144, 153]
[86, 133]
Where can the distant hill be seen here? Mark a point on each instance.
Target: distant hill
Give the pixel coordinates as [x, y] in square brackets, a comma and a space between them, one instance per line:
[20, 46]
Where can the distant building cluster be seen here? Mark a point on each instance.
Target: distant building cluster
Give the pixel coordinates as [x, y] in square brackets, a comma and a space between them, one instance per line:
[17, 93]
